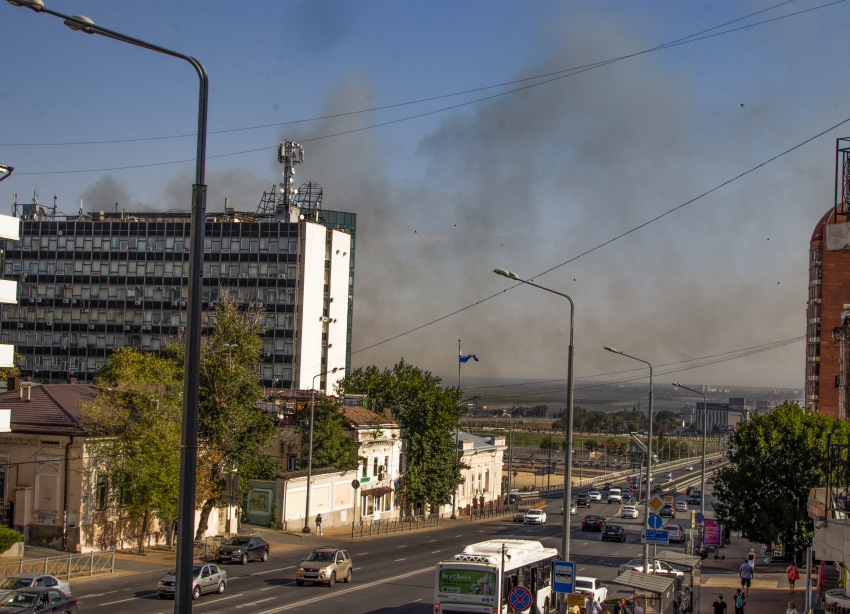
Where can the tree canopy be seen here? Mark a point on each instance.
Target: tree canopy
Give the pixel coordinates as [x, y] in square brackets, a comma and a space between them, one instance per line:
[331, 447]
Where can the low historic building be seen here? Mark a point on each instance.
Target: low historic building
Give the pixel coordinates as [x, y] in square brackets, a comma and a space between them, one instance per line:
[482, 485]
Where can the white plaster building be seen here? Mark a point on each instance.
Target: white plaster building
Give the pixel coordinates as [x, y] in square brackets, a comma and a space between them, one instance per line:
[481, 487]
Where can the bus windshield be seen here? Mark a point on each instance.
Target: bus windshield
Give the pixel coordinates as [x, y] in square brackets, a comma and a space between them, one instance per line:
[467, 582]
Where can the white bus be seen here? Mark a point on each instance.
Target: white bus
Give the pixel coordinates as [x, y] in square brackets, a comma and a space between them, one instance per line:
[480, 578]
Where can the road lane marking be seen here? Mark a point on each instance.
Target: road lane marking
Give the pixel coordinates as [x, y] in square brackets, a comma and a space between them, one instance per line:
[433, 540]
[245, 605]
[337, 594]
[397, 560]
[122, 601]
[260, 573]
[361, 554]
[405, 546]
[216, 601]
[98, 594]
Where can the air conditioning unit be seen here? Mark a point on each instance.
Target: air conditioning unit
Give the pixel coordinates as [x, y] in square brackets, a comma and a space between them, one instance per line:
[126, 328]
[146, 327]
[182, 328]
[91, 326]
[73, 301]
[138, 302]
[281, 275]
[37, 369]
[20, 325]
[150, 249]
[182, 303]
[243, 275]
[63, 347]
[266, 355]
[38, 300]
[205, 275]
[49, 323]
[65, 301]
[175, 303]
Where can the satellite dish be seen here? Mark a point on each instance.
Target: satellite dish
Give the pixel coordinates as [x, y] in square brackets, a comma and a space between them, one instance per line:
[309, 196]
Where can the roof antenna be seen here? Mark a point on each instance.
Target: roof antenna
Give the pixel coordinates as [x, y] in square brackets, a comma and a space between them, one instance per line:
[80, 217]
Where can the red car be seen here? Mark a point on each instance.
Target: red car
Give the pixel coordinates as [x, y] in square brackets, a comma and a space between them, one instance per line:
[592, 522]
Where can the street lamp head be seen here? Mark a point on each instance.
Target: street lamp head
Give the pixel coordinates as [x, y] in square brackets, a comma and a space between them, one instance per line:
[505, 273]
[610, 349]
[677, 385]
[36, 5]
[76, 26]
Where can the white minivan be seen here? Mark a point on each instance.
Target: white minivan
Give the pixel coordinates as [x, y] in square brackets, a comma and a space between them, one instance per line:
[615, 495]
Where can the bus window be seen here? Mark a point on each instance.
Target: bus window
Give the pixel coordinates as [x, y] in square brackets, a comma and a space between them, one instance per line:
[546, 575]
[531, 582]
[508, 583]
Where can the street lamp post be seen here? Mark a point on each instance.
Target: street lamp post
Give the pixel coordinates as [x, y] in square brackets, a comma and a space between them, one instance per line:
[648, 456]
[457, 429]
[568, 453]
[192, 361]
[704, 435]
[306, 528]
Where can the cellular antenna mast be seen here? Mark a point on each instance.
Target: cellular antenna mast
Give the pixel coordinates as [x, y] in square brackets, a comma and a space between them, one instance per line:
[289, 154]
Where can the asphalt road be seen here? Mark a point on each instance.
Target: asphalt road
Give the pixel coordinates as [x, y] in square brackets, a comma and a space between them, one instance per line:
[393, 574]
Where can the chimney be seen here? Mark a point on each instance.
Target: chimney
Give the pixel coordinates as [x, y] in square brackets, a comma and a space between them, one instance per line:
[72, 380]
[13, 383]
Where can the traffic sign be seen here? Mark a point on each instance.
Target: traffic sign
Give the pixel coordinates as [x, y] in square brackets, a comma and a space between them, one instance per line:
[698, 518]
[519, 598]
[576, 599]
[634, 480]
[652, 536]
[656, 503]
[655, 521]
[563, 577]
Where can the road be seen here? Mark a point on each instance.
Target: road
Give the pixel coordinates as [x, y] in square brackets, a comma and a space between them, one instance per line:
[393, 574]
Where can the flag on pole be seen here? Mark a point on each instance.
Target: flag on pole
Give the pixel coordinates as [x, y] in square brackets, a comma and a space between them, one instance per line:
[468, 356]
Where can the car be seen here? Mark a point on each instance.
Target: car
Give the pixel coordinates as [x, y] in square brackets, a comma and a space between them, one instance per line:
[629, 511]
[681, 506]
[643, 480]
[519, 515]
[667, 474]
[325, 566]
[689, 468]
[243, 549]
[38, 599]
[626, 496]
[709, 480]
[535, 517]
[709, 462]
[206, 578]
[667, 479]
[695, 497]
[582, 500]
[667, 510]
[31, 580]
[573, 510]
[675, 533]
[689, 490]
[595, 495]
[656, 567]
[615, 495]
[613, 532]
[592, 522]
[668, 499]
[607, 486]
[588, 586]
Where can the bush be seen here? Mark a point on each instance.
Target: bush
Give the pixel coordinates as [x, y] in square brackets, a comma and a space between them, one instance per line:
[8, 538]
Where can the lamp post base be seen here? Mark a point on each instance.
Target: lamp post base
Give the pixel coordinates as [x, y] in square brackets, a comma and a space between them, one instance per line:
[306, 529]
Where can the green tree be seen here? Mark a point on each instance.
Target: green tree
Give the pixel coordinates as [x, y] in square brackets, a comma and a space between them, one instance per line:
[331, 447]
[776, 459]
[429, 413]
[139, 408]
[591, 444]
[550, 442]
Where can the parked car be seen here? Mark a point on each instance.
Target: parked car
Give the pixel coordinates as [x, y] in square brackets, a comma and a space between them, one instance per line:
[656, 567]
[519, 515]
[614, 532]
[629, 511]
[535, 517]
[615, 495]
[681, 506]
[607, 486]
[675, 533]
[243, 549]
[206, 578]
[592, 522]
[30, 580]
[38, 599]
[595, 495]
[667, 510]
[325, 566]
[582, 500]
[593, 586]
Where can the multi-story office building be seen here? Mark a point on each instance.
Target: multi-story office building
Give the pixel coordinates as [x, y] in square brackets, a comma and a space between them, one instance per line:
[90, 284]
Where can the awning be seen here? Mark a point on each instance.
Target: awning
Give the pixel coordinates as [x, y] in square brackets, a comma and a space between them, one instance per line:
[645, 582]
[678, 558]
[376, 492]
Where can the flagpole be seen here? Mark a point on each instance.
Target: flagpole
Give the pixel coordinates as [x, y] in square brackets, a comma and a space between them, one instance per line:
[457, 428]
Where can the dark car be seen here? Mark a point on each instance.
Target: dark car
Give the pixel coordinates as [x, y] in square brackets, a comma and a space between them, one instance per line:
[667, 510]
[626, 495]
[675, 533]
[32, 600]
[582, 500]
[614, 532]
[709, 462]
[243, 549]
[607, 486]
[592, 522]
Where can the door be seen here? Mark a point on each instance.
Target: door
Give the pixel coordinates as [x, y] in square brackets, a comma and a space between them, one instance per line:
[57, 601]
[206, 579]
[341, 567]
[252, 549]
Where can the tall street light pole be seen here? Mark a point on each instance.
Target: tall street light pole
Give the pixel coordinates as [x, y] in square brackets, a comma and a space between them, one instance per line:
[648, 457]
[568, 453]
[306, 528]
[457, 428]
[704, 435]
[192, 361]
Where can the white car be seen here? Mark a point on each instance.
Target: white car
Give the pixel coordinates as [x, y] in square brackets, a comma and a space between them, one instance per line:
[593, 586]
[629, 511]
[656, 567]
[681, 506]
[27, 580]
[689, 468]
[615, 495]
[573, 510]
[667, 478]
[595, 495]
[535, 517]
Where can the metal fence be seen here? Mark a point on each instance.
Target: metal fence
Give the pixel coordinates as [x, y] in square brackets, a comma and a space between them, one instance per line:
[207, 548]
[63, 566]
[496, 511]
[391, 525]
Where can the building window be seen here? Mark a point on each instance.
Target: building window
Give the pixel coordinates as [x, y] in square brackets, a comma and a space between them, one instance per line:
[101, 492]
[291, 462]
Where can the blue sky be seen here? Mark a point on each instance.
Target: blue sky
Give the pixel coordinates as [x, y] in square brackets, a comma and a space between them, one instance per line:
[524, 181]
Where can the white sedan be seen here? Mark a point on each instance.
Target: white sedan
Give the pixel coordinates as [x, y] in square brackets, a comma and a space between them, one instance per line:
[629, 511]
[595, 495]
[535, 517]
[689, 468]
[681, 506]
[592, 586]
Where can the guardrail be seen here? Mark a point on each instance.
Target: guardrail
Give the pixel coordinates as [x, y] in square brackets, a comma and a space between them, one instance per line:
[392, 525]
[63, 566]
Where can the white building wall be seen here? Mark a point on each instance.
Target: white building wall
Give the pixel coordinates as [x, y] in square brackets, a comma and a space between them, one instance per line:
[312, 278]
[10, 229]
[338, 312]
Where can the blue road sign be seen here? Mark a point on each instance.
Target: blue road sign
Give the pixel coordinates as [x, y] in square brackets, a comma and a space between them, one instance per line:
[519, 598]
[634, 480]
[698, 518]
[563, 577]
[655, 521]
[659, 537]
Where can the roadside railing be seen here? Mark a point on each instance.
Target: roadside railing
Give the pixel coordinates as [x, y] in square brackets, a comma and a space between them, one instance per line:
[392, 525]
[207, 548]
[63, 566]
[496, 511]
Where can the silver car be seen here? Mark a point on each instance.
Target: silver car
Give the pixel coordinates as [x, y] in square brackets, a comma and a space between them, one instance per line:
[206, 578]
[29, 580]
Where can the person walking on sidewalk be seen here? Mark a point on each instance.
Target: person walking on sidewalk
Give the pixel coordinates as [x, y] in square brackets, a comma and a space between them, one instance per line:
[593, 606]
[740, 600]
[793, 574]
[319, 524]
[791, 608]
[746, 573]
[719, 606]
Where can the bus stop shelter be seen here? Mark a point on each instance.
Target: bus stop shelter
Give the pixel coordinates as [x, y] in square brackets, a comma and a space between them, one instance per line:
[687, 589]
[653, 593]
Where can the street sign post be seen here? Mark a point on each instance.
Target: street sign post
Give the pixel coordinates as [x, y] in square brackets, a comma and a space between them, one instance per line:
[698, 518]
[655, 536]
[563, 577]
[656, 503]
[519, 598]
[655, 521]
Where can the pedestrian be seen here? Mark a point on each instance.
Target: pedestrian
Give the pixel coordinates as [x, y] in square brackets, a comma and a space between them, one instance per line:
[319, 524]
[740, 600]
[676, 609]
[792, 573]
[593, 606]
[719, 606]
[791, 609]
[620, 607]
[746, 574]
